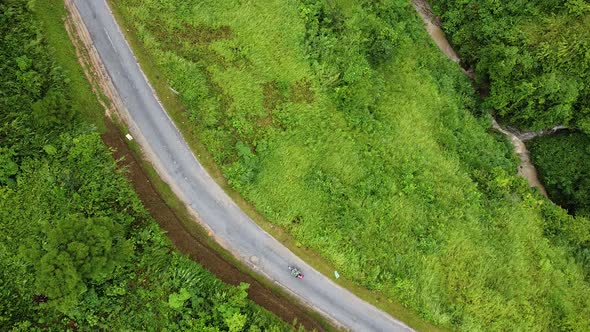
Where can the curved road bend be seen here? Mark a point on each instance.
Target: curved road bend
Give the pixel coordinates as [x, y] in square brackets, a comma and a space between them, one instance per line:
[176, 164]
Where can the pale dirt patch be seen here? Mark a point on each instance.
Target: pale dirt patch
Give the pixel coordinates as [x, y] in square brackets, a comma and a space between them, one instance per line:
[90, 62]
[526, 169]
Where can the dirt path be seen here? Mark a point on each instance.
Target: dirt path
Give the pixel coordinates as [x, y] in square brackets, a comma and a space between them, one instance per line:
[526, 169]
[438, 36]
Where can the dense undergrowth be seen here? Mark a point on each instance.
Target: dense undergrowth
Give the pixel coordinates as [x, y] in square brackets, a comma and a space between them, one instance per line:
[341, 122]
[78, 251]
[563, 162]
[533, 56]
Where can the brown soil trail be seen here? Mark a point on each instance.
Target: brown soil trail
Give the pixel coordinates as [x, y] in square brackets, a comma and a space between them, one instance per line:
[438, 36]
[182, 238]
[526, 169]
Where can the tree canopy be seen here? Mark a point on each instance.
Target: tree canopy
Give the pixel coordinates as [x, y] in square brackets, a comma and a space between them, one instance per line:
[533, 57]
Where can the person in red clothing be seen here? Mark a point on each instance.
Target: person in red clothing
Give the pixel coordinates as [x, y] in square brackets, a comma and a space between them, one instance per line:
[295, 272]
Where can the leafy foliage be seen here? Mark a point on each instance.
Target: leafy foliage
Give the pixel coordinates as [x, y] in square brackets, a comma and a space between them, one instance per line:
[78, 251]
[341, 122]
[562, 161]
[534, 55]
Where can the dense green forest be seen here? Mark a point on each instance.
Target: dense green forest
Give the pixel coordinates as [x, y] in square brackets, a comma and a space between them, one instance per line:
[563, 162]
[78, 251]
[532, 56]
[340, 121]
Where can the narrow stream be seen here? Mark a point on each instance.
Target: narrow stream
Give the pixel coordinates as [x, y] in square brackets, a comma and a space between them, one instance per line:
[526, 169]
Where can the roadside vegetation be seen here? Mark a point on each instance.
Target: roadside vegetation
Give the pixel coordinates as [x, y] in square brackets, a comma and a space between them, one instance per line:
[78, 251]
[532, 56]
[342, 123]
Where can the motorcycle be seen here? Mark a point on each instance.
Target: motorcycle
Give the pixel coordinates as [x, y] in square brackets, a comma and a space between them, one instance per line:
[295, 272]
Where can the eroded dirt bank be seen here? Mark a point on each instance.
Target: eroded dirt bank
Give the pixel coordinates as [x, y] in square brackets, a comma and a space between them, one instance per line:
[526, 169]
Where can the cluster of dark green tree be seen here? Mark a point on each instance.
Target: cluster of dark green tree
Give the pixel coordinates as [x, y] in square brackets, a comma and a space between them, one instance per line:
[341, 122]
[78, 251]
[533, 56]
[563, 162]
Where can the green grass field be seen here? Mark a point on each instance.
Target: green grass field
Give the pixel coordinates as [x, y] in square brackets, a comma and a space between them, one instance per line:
[344, 125]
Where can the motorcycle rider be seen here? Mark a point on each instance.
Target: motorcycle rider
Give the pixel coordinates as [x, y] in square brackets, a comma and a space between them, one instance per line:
[296, 273]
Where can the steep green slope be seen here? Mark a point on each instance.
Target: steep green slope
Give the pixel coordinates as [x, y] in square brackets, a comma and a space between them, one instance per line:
[341, 122]
[78, 251]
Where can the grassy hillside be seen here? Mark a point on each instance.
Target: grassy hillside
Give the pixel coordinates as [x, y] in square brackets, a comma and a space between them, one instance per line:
[78, 251]
[342, 123]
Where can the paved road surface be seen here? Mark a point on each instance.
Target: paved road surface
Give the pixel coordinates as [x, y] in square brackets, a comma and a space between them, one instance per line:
[233, 229]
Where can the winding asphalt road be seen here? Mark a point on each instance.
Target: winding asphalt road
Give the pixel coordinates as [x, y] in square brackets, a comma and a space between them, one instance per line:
[177, 165]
